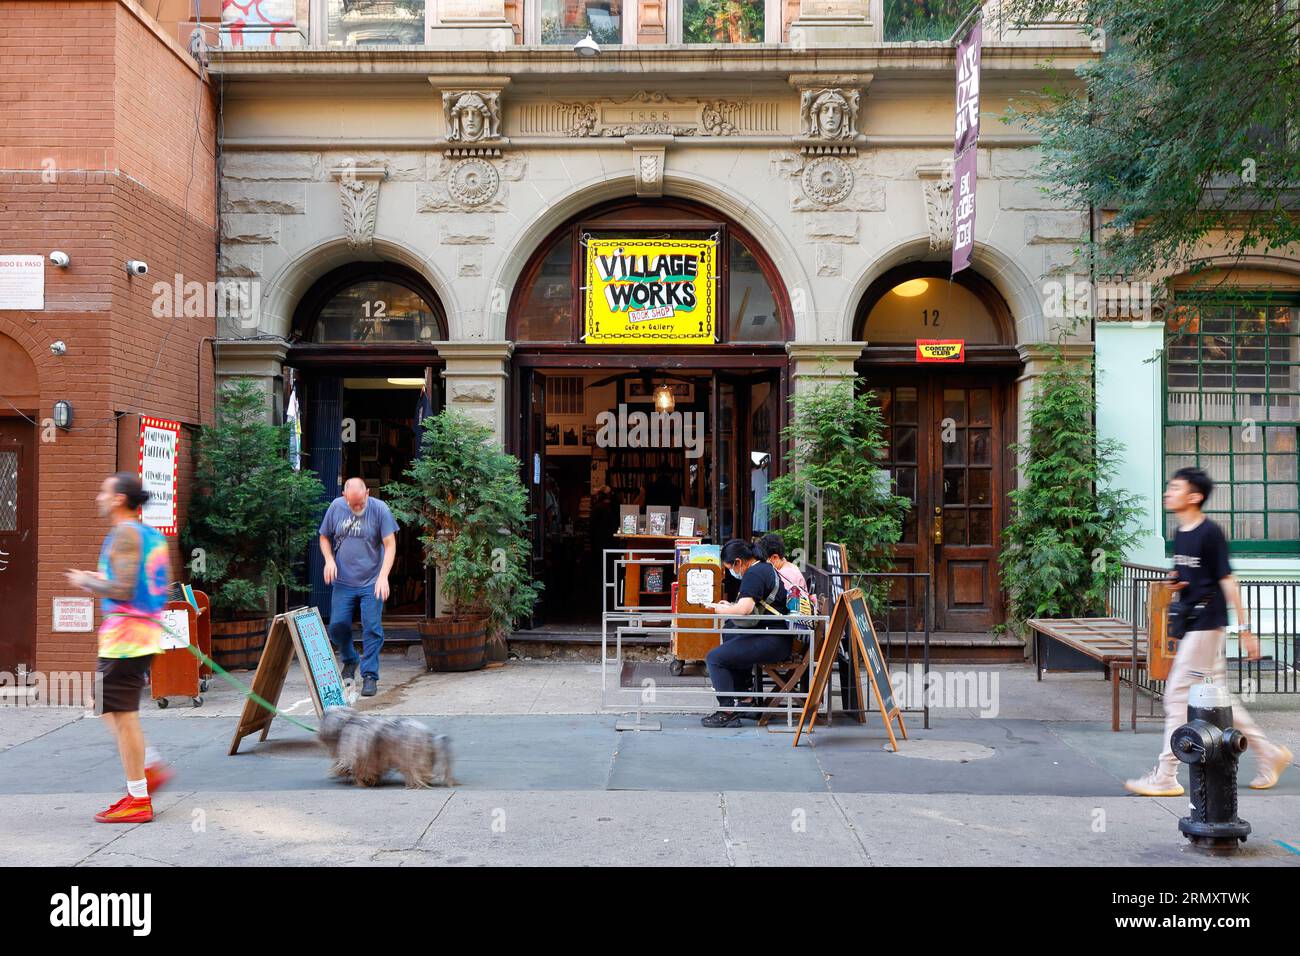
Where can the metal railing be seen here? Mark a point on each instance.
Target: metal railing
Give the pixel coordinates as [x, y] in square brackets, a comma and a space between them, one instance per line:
[1274, 611]
[619, 619]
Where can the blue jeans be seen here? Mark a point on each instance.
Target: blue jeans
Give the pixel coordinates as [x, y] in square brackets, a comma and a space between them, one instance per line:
[343, 602]
[731, 663]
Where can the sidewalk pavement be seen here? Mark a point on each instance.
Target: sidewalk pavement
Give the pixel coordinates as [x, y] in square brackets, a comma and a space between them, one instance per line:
[544, 778]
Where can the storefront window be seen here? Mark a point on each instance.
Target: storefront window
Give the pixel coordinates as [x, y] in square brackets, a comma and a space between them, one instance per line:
[722, 21]
[546, 312]
[930, 308]
[565, 22]
[754, 314]
[1232, 407]
[354, 23]
[377, 310]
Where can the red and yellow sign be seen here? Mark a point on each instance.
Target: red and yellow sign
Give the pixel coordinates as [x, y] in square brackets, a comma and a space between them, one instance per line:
[941, 350]
[652, 291]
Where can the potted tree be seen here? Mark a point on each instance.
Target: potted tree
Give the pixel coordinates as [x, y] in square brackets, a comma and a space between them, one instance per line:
[464, 494]
[250, 521]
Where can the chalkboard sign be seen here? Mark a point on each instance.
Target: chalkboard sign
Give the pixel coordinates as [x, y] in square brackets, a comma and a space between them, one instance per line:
[866, 633]
[299, 633]
[851, 619]
[837, 563]
[317, 655]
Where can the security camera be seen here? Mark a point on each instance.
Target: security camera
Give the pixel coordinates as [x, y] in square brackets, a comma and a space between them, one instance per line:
[137, 267]
[60, 259]
[58, 348]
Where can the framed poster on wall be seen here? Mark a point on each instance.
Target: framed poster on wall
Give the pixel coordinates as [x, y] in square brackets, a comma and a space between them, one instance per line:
[160, 442]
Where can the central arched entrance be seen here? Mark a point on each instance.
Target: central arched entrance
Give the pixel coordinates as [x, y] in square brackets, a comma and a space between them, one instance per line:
[580, 392]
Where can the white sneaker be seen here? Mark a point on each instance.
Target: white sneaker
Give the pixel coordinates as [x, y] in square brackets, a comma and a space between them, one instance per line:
[1154, 784]
[1270, 770]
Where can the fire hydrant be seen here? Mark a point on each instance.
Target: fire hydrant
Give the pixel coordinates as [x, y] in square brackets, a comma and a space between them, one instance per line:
[1210, 746]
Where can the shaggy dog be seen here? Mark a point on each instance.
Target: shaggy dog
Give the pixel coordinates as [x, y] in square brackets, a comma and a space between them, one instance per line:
[366, 746]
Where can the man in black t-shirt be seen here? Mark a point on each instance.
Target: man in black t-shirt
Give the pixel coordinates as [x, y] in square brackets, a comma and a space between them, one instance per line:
[1202, 575]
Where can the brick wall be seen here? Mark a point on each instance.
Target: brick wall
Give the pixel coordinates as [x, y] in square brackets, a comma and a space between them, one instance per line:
[108, 155]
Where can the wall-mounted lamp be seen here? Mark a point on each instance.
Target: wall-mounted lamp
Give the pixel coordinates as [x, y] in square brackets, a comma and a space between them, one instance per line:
[587, 46]
[60, 259]
[665, 401]
[63, 414]
[58, 347]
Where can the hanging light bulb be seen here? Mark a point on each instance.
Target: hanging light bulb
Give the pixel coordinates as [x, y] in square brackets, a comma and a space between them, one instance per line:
[665, 401]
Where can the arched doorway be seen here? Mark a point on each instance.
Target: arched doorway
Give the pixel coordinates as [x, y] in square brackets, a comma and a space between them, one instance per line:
[711, 360]
[948, 427]
[364, 364]
[18, 506]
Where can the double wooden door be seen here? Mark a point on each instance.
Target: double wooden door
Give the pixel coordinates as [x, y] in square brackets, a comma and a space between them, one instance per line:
[948, 438]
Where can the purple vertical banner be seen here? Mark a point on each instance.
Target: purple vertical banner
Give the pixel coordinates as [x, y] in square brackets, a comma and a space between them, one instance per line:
[967, 126]
[963, 209]
[966, 132]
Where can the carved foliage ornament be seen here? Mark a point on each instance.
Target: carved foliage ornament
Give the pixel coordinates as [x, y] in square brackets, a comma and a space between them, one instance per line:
[472, 116]
[359, 197]
[936, 186]
[830, 115]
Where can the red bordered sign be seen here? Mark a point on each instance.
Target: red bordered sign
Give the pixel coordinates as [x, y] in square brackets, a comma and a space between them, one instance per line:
[941, 350]
[160, 446]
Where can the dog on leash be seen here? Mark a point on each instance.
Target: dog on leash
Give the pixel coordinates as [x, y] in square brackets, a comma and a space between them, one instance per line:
[367, 746]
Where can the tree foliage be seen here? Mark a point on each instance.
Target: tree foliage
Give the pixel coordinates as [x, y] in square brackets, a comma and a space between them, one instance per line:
[1070, 526]
[252, 515]
[836, 441]
[1187, 126]
[464, 494]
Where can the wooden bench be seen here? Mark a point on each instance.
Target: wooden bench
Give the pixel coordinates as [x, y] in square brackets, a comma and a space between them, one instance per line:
[1109, 641]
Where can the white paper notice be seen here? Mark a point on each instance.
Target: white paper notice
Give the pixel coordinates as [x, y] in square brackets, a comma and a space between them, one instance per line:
[699, 586]
[74, 615]
[22, 282]
[178, 621]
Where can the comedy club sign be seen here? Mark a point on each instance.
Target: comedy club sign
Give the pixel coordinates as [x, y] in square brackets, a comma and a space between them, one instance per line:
[656, 291]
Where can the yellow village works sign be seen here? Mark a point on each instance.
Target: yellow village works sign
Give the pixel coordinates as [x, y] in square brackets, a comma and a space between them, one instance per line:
[658, 291]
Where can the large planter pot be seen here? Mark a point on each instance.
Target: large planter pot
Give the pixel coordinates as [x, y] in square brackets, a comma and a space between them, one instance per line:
[237, 645]
[454, 644]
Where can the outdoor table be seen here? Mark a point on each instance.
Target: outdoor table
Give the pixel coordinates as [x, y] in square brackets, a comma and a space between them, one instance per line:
[1110, 641]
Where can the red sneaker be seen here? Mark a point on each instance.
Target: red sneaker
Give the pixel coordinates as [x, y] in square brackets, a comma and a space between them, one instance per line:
[127, 810]
[158, 776]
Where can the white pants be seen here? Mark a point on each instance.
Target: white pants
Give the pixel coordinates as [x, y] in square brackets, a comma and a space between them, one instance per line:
[1201, 654]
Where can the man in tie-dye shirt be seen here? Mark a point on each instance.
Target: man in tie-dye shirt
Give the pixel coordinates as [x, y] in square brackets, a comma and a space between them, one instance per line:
[134, 572]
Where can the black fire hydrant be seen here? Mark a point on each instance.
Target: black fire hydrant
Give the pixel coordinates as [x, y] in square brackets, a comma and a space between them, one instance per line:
[1210, 746]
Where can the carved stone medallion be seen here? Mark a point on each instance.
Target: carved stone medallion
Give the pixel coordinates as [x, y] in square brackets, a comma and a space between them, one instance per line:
[827, 180]
[473, 182]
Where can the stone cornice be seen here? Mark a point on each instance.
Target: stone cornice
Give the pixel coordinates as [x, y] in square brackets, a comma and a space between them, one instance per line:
[378, 63]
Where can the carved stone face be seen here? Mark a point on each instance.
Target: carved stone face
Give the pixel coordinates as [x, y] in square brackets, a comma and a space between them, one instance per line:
[471, 122]
[830, 118]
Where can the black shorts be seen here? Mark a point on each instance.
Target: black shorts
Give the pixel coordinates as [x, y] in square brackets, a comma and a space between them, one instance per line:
[124, 678]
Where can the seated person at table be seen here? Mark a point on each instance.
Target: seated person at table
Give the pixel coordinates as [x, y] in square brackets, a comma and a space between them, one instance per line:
[760, 637]
[773, 546]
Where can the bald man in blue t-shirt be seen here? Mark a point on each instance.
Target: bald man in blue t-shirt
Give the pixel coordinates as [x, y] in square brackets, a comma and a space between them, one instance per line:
[358, 537]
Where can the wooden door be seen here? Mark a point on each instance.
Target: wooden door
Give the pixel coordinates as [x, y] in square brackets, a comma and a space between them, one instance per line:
[17, 544]
[947, 455]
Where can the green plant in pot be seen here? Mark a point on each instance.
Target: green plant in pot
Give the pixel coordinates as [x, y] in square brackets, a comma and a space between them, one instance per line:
[251, 518]
[464, 494]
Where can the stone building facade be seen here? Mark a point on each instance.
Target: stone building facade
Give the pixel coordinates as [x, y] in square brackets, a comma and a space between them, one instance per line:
[470, 170]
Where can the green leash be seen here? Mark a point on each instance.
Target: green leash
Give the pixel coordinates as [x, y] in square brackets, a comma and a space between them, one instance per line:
[248, 692]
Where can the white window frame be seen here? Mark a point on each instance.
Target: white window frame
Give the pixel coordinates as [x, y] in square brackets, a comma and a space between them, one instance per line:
[318, 25]
[771, 21]
[533, 22]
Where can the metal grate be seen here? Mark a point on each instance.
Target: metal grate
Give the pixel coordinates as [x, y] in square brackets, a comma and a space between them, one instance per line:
[8, 491]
